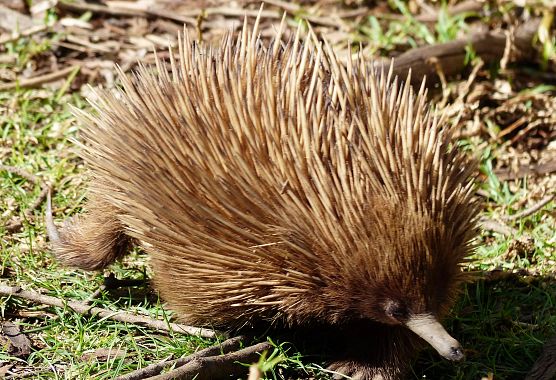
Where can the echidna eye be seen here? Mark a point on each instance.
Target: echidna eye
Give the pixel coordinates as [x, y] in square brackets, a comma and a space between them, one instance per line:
[394, 310]
[398, 313]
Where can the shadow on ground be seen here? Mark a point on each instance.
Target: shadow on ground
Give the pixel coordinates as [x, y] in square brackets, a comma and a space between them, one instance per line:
[503, 323]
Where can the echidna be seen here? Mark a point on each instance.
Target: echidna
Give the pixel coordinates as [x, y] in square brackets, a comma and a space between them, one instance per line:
[271, 183]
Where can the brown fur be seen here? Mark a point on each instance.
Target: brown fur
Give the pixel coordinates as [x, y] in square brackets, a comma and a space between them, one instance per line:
[271, 182]
[94, 239]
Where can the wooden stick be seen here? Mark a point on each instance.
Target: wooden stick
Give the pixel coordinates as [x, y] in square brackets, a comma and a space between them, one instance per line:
[18, 222]
[39, 80]
[45, 188]
[496, 226]
[155, 369]
[121, 316]
[468, 6]
[21, 172]
[101, 9]
[531, 210]
[506, 174]
[490, 46]
[24, 33]
[217, 367]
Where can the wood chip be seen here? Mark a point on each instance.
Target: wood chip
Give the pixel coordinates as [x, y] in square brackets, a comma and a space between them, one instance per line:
[12, 20]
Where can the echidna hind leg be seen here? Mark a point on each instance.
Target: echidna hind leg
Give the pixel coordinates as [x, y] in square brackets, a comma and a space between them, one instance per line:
[92, 240]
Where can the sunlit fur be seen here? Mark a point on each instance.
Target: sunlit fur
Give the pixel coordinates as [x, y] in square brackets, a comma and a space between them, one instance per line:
[268, 181]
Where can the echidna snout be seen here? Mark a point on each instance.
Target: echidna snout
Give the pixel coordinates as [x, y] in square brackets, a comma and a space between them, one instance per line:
[428, 328]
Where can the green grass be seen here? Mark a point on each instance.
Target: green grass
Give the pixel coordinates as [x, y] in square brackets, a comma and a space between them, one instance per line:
[501, 322]
[384, 34]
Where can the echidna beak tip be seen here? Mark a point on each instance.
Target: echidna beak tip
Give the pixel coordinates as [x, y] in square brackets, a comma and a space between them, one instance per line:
[456, 354]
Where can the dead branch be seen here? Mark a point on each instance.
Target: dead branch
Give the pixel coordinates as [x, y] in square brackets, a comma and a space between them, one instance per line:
[469, 6]
[21, 172]
[545, 366]
[133, 12]
[155, 369]
[531, 210]
[507, 174]
[233, 12]
[24, 33]
[287, 6]
[121, 316]
[217, 367]
[38, 80]
[45, 188]
[489, 46]
[18, 222]
[496, 226]
[81, 6]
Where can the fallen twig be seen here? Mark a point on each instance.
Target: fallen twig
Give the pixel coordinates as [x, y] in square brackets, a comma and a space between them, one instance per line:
[531, 210]
[507, 174]
[496, 226]
[522, 133]
[121, 316]
[489, 46]
[287, 6]
[18, 222]
[24, 33]
[233, 12]
[155, 369]
[21, 172]
[478, 65]
[217, 367]
[81, 6]
[38, 80]
[512, 127]
[469, 6]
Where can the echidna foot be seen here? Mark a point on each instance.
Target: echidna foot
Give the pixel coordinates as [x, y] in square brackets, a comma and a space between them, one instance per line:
[358, 371]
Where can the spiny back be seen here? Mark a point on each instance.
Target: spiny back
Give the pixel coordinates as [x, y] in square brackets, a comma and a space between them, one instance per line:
[265, 177]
